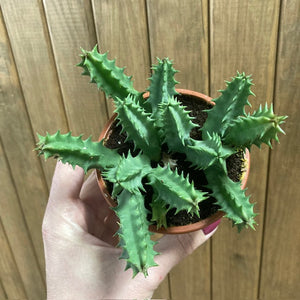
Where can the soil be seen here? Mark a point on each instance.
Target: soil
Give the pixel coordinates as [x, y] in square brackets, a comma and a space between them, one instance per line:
[116, 140]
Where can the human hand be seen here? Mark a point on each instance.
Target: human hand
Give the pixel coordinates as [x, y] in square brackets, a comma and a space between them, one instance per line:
[82, 261]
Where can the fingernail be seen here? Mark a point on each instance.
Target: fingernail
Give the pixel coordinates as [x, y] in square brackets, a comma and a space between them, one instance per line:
[211, 227]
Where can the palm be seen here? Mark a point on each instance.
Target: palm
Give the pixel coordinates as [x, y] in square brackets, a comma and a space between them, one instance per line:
[82, 261]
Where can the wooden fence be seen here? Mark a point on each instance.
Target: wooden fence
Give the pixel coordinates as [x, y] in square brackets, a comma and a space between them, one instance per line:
[42, 90]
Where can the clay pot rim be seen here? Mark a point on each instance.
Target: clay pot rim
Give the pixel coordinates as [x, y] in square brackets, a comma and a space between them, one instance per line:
[173, 229]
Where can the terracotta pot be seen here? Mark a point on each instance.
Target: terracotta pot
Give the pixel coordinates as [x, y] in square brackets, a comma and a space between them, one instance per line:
[174, 229]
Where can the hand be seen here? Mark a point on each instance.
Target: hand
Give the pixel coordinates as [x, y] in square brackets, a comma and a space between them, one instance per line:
[82, 261]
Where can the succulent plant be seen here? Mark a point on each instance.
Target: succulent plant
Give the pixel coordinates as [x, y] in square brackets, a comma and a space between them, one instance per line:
[163, 120]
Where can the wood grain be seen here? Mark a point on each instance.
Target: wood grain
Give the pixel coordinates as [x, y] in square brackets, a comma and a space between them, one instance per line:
[2, 291]
[281, 248]
[10, 277]
[162, 292]
[179, 30]
[71, 27]
[243, 36]
[18, 143]
[121, 28]
[36, 69]
[16, 232]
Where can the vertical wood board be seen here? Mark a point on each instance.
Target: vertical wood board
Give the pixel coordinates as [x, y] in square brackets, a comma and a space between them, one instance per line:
[243, 37]
[71, 27]
[2, 291]
[18, 143]
[17, 234]
[179, 30]
[10, 277]
[36, 69]
[281, 261]
[122, 30]
[162, 292]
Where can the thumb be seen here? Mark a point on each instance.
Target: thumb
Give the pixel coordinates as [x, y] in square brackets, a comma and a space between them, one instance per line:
[64, 211]
[66, 182]
[174, 248]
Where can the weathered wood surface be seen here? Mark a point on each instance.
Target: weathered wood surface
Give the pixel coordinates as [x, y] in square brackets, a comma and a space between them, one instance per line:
[18, 241]
[26, 28]
[238, 43]
[167, 40]
[71, 26]
[281, 242]
[121, 28]
[42, 90]
[29, 184]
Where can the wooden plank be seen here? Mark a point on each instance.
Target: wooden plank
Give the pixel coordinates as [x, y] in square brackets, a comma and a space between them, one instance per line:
[34, 60]
[10, 277]
[17, 236]
[71, 27]
[18, 143]
[191, 278]
[121, 28]
[162, 292]
[169, 23]
[2, 291]
[179, 30]
[243, 37]
[281, 262]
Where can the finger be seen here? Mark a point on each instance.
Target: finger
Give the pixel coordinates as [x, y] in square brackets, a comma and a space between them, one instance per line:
[105, 223]
[90, 195]
[66, 182]
[173, 248]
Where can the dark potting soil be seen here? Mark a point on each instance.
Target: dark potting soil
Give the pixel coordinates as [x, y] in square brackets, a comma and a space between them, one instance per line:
[116, 140]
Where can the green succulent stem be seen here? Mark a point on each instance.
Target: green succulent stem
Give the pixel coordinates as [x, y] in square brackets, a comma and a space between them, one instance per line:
[260, 127]
[162, 85]
[135, 238]
[176, 125]
[139, 126]
[203, 154]
[108, 77]
[129, 173]
[76, 151]
[175, 190]
[230, 197]
[230, 105]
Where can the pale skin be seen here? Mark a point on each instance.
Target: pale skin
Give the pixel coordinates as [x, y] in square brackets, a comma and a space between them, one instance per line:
[82, 260]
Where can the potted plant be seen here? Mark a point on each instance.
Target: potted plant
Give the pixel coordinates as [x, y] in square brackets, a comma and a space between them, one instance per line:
[164, 160]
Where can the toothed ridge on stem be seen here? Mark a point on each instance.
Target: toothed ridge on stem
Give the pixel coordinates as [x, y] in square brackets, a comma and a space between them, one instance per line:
[108, 77]
[139, 126]
[77, 152]
[230, 197]
[129, 173]
[176, 125]
[162, 84]
[230, 105]
[203, 154]
[260, 127]
[175, 190]
[135, 238]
